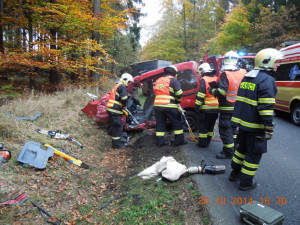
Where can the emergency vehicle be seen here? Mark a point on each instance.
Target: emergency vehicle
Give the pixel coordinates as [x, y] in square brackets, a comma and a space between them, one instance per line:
[246, 61]
[288, 82]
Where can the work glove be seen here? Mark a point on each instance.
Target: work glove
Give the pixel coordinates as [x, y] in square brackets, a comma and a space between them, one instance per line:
[210, 90]
[268, 132]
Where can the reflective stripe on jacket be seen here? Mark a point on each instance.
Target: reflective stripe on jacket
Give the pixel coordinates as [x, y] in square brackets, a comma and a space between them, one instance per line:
[255, 102]
[234, 80]
[114, 104]
[165, 95]
[210, 102]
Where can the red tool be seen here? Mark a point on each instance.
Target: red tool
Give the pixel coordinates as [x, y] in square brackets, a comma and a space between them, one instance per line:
[5, 155]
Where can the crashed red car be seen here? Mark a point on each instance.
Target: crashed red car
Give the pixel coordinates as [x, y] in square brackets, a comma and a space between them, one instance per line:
[142, 87]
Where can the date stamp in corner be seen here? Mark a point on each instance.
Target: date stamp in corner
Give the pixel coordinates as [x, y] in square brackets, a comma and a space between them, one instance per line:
[241, 201]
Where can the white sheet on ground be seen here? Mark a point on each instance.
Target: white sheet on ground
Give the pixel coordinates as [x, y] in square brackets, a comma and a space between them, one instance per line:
[168, 167]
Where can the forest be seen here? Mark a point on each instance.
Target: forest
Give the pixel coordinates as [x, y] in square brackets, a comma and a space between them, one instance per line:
[190, 27]
[58, 42]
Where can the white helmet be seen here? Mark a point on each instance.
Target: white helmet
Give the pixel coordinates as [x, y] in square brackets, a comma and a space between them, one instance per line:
[204, 68]
[266, 59]
[125, 78]
[230, 58]
[171, 70]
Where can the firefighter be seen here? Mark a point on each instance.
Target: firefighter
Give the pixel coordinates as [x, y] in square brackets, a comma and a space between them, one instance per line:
[168, 94]
[117, 101]
[228, 82]
[253, 114]
[206, 106]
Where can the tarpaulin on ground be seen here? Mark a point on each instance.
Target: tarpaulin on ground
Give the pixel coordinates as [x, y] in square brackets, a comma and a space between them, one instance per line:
[168, 167]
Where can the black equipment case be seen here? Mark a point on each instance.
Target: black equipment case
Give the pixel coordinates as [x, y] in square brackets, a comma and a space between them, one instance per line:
[258, 214]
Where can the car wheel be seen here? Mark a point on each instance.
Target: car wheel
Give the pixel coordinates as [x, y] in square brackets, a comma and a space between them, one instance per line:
[295, 114]
[192, 119]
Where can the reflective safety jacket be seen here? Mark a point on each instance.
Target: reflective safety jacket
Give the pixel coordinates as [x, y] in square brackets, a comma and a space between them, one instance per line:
[226, 93]
[255, 102]
[204, 100]
[168, 92]
[117, 99]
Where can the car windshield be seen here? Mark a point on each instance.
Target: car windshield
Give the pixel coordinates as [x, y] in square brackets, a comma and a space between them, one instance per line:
[187, 79]
[246, 63]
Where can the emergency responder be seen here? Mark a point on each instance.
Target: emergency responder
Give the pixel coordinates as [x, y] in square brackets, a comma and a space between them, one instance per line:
[168, 94]
[117, 101]
[253, 113]
[228, 82]
[206, 106]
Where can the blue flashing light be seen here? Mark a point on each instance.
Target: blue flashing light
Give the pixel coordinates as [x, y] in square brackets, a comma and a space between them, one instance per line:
[241, 53]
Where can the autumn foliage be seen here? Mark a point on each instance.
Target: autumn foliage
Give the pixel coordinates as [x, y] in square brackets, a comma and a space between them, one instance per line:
[40, 36]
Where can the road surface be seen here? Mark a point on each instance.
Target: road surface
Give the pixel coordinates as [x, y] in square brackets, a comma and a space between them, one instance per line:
[278, 177]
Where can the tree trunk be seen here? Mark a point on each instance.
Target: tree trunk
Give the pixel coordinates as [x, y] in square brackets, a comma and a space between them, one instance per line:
[200, 25]
[1, 27]
[30, 40]
[54, 77]
[216, 17]
[94, 75]
[194, 43]
[113, 65]
[184, 30]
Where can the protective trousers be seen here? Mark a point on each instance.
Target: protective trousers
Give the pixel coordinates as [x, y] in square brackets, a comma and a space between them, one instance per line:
[227, 132]
[246, 158]
[206, 127]
[174, 117]
[116, 128]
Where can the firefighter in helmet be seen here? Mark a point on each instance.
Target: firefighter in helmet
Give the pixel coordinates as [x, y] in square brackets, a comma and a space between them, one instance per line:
[253, 114]
[228, 82]
[206, 106]
[117, 101]
[168, 94]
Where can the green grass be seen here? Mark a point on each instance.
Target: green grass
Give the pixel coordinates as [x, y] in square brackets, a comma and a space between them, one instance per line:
[147, 202]
[75, 195]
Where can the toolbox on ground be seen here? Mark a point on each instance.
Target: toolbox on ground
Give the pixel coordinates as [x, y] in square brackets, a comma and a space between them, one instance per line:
[258, 214]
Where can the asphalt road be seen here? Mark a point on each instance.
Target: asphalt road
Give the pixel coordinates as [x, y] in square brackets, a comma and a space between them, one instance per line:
[278, 177]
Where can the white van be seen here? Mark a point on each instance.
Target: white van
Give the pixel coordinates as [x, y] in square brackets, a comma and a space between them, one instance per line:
[288, 82]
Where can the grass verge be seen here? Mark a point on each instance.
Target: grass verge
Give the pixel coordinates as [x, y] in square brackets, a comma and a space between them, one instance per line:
[77, 196]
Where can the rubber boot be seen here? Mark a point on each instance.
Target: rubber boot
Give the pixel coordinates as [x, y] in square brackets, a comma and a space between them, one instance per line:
[117, 144]
[226, 153]
[250, 186]
[202, 142]
[234, 175]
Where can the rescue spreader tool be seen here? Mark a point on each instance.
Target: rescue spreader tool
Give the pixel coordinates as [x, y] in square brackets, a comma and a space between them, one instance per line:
[59, 135]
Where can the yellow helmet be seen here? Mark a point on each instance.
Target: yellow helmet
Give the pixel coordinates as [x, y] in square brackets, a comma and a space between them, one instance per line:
[125, 78]
[266, 58]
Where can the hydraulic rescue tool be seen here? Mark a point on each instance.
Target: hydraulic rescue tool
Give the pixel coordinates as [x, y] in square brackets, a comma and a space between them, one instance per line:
[206, 169]
[181, 110]
[128, 113]
[5, 155]
[59, 135]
